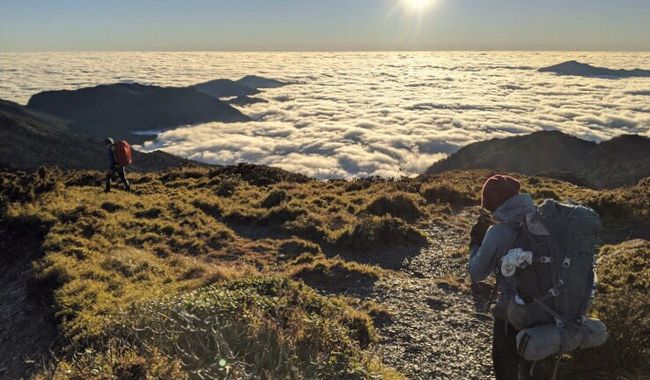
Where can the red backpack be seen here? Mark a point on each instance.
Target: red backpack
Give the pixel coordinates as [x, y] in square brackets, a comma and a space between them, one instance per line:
[123, 153]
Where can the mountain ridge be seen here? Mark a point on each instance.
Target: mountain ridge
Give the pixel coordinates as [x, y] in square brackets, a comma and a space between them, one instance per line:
[575, 68]
[120, 109]
[623, 160]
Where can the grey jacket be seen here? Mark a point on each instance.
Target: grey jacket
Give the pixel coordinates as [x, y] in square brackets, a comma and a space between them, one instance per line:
[498, 240]
[111, 158]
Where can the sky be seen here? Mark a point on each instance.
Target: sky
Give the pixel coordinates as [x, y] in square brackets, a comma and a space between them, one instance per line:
[317, 25]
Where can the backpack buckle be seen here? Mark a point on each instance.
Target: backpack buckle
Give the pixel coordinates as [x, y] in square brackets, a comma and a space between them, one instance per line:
[555, 291]
[566, 263]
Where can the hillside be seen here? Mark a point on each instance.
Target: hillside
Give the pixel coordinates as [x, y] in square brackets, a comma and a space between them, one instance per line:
[118, 110]
[620, 161]
[31, 139]
[253, 272]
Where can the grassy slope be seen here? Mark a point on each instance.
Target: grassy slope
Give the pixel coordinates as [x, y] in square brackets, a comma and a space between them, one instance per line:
[221, 253]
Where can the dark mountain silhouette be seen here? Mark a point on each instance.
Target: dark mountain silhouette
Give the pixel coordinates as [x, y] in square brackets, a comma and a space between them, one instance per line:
[255, 81]
[620, 161]
[118, 110]
[31, 139]
[576, 68]
[220, 88]
[246, 100]
[246, 86]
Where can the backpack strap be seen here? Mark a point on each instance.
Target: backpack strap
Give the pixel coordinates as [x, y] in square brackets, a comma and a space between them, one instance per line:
[537, 247]
[566, 263]
[588, 298]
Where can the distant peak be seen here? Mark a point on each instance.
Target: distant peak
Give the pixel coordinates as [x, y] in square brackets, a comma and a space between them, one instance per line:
[575, 68]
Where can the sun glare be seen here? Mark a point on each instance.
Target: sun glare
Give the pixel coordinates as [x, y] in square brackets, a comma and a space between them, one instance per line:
[417, 5]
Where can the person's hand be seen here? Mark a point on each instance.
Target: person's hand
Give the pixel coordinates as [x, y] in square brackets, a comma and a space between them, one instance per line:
[483, 294]
[478, 231]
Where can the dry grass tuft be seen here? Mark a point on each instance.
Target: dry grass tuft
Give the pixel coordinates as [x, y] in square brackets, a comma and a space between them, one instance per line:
[336, 275]
[378, 232]
[398, 205]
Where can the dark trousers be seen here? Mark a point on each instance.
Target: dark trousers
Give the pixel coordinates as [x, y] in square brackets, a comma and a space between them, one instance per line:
[508, 364]
[119, 171]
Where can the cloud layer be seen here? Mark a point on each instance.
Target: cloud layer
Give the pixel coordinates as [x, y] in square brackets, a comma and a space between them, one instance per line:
[360, 114]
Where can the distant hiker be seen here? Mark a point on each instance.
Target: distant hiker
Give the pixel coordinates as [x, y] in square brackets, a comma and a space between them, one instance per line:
[119, 157]
[543, 260]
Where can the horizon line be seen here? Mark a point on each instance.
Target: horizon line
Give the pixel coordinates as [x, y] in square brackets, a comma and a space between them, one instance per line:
[326, 51]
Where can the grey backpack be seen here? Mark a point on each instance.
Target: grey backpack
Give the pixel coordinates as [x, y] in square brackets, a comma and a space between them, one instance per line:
[557, 287]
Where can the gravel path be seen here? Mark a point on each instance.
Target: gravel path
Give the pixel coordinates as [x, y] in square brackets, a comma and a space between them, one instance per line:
[435, 333]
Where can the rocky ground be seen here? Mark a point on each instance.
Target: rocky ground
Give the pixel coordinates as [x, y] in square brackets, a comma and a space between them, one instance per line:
[435, 331]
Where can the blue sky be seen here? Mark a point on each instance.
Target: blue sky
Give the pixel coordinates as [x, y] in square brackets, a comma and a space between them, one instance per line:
[252, 25]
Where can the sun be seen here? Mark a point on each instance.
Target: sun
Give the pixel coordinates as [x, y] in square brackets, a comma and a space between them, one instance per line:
[417, 5]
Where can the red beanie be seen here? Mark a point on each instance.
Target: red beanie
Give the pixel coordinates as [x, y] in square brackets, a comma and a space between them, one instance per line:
[497, 190]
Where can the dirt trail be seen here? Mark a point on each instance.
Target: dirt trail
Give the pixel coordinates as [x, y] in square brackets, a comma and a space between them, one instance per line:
[435, 333]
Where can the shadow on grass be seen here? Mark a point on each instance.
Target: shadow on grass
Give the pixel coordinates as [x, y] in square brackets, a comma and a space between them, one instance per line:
[28, 328]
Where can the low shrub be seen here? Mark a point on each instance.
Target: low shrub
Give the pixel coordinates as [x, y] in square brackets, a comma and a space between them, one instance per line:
[151, 213]
[448, 193]
[111, 206]
[308, 227]
[295, 247]
[118, 359]
[377, 232]
[209, 206]
[546, 193]
[226, 186]
[20, 186]
[397, 205]
[336, 275]
[275, 198]
[281, 214]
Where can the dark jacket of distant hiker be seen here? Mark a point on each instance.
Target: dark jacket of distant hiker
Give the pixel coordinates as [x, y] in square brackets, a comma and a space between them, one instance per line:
[111, 157]
[114, 168]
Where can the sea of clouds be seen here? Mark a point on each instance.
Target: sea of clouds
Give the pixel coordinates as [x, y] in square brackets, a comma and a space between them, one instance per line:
[361, 114]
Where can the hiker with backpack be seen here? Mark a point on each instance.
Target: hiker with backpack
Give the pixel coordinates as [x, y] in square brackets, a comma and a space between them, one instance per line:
[119, 157]
[543, 259]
